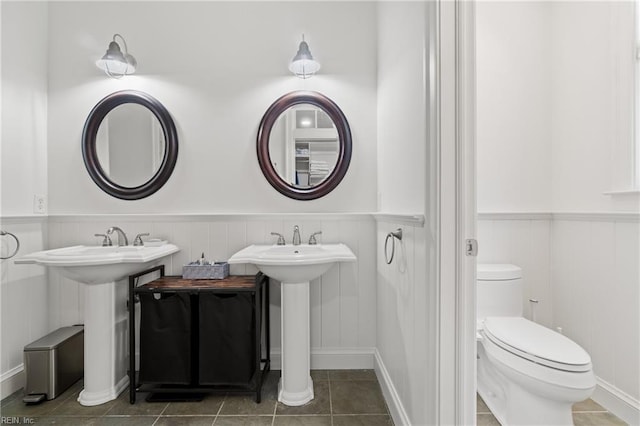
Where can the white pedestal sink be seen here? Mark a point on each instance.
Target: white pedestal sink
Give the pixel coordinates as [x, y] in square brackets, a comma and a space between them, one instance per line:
[294, 267]
[105, 371]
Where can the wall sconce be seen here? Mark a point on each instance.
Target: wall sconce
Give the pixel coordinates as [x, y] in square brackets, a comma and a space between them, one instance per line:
[303, 65]
[115, 63]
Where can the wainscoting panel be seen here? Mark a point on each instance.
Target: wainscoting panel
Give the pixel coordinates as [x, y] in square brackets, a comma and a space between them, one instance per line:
[596, 295]
[407, 343]
[343, 300]
[24, 295]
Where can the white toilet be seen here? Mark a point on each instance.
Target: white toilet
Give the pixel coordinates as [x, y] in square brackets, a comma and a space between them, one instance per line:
[527, 373]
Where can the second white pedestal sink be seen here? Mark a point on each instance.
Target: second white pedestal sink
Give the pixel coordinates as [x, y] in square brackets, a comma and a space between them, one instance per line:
[105, 371]
[294, 267]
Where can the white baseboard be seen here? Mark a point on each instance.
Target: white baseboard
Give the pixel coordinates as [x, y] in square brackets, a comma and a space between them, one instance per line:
[617, 402]
[333, 358]
[11, 381]
[398, 413]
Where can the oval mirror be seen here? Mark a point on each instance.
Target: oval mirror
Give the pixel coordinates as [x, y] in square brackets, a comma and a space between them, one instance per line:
[304, 145]
[129, 145]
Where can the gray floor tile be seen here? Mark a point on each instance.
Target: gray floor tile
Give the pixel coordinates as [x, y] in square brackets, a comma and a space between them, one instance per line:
[320, 375]
[302, 421]
[243, 421]
[65, 421]
[245, 405]
[596, 419]
[16, 395]
[481, 406]
[185, 420]
[319, 405]
[486, 420]
[357, 397]
[210, 405]
[588, 405]
[270, 385]
[352, 375]
[125, 421]
[122, 407]
[585, 413]
[18, 408]
[71, 407]
[362, 420]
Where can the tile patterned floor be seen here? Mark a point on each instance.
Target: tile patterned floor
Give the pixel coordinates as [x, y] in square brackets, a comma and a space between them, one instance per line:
[342, 398]
[585, 413]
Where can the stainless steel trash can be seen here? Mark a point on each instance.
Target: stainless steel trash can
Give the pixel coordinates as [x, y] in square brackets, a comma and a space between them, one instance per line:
[53, 363]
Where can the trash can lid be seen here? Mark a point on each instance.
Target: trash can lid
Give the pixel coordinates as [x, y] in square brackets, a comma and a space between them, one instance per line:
[54, 339]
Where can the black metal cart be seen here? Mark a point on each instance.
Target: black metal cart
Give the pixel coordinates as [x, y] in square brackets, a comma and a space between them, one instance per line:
[199, 336]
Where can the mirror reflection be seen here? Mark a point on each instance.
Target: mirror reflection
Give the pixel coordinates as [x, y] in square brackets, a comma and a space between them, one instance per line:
[130, 145]
[304, 146]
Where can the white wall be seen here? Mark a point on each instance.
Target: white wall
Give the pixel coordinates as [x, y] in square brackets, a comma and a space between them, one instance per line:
[217, 98]
[524, 241]
[595, 268]
[402, 129]
[593, 66]
[581, 258]
[24, 106]
[216, 66]
[23, 171]
[407, 302]
[514, 106]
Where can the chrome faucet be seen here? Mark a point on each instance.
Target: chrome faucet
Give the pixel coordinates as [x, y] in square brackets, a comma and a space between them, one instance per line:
[106, 242]
[138, 240]
[312, 238]
[121, 235]
[296, 236]
[280, 238]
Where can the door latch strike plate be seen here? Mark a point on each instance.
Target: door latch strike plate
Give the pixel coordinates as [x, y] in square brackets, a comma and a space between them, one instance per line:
[472, 247]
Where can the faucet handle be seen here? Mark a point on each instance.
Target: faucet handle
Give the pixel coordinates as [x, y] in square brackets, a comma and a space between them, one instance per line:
[312, 238]
[280, 238]
[106, 241]
[138, 240]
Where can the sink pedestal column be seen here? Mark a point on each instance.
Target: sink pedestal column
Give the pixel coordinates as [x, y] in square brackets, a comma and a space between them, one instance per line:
[105, 374]
[295, 387]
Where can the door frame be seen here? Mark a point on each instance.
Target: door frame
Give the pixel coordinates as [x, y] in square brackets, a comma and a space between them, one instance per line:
[457, 217]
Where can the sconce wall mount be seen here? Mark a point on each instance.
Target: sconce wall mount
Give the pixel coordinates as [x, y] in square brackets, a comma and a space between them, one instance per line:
[303, 65]
[116, 63]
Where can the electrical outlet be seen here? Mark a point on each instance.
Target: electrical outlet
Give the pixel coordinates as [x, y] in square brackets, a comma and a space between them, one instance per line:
[39, 204]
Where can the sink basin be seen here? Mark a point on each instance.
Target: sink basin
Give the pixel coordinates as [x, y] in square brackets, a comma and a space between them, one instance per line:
[95, 264]
[105, 315]
[294, 267]
[294, 264]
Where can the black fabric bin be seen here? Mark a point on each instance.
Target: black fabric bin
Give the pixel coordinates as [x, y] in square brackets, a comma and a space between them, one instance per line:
[227, 338]
[165, 338]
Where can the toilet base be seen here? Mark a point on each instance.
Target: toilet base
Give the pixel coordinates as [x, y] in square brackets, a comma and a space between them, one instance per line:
[536, 403]
[524, 408]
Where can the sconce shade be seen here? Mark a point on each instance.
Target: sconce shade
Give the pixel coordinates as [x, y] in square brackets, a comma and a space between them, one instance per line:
[115, 63]
[303, 65]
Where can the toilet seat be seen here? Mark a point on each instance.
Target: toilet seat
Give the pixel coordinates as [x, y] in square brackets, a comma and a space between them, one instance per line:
[536, 343]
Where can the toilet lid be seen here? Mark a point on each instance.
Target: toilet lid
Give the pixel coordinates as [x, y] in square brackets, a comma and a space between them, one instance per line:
[497, 272]
[536, 343]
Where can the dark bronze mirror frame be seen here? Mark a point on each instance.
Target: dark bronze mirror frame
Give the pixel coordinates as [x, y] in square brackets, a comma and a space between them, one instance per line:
[344, 136]
[90, 155]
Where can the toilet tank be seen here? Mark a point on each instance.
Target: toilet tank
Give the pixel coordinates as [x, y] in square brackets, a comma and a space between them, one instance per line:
[499, 291]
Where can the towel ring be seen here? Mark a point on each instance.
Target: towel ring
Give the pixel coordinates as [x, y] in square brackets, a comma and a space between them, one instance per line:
[2, 233]
[392, 235]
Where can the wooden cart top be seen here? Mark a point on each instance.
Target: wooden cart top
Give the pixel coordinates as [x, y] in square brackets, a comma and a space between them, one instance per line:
[232, 282]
